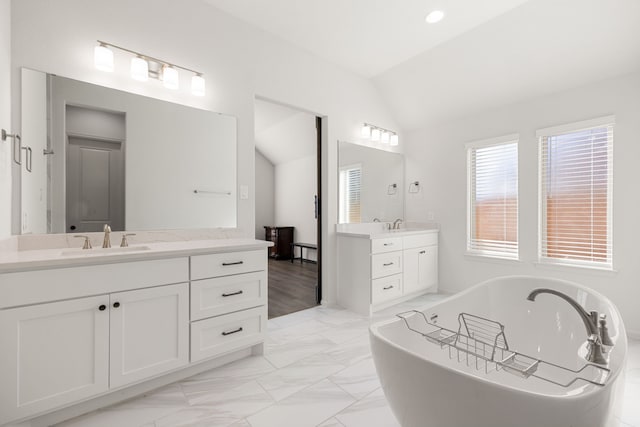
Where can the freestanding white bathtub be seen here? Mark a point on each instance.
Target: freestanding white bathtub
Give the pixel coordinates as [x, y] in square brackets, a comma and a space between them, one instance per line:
[425, 387]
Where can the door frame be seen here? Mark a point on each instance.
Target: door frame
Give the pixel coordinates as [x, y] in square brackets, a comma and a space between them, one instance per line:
[321, 123]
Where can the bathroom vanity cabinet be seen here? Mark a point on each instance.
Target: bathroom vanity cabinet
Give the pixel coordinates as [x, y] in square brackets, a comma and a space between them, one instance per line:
[76, 333]
[376, 271]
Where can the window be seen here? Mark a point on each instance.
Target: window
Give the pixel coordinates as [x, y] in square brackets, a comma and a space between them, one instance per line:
[493, 197]
[350, 178]
[575, 193]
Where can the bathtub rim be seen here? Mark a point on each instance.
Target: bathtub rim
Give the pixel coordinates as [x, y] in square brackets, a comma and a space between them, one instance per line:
[616, 370]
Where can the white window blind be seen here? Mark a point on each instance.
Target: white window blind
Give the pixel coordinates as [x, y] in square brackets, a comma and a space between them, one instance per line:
[575, 195]
[350, 182]
[493, 198]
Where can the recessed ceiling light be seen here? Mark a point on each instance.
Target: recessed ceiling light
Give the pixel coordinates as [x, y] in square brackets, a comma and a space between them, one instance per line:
[434, 16]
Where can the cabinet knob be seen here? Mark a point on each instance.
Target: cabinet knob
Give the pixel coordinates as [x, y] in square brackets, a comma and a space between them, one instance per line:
[116, 304]
[102, 307]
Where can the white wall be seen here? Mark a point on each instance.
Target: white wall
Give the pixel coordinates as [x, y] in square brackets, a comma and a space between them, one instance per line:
[296, 184]
[238, 61]
[436, 157]
[265, 194]
[5, 118]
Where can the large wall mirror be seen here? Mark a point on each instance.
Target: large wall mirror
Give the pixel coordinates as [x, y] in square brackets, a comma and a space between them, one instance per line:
[100, 155]
[370, 184]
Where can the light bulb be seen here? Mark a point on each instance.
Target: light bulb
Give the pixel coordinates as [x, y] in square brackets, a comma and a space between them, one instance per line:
[434, 16]
[375, 135]
[139, 69]
[385, 137]
[366, 131]
[394, 139]
[197, 85]
[170, 77]
[103, 58]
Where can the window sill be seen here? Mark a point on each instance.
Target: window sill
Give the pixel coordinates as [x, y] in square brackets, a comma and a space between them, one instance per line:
[473, 256]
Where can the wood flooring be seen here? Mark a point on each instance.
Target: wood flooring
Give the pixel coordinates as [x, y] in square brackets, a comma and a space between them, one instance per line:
[292, 286]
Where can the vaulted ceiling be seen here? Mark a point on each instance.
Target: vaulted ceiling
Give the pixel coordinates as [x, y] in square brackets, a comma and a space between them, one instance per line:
[484, 54]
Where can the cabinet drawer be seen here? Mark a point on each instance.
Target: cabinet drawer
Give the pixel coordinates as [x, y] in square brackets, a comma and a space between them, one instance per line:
[420, 240]
[221, 295]
[225, 264]
[32, 287]
[387, 244]
[386, 288]
[222, 334]
[386, 264]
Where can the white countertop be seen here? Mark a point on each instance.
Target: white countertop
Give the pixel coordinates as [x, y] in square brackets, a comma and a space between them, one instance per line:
[381, 234]
[23, 260]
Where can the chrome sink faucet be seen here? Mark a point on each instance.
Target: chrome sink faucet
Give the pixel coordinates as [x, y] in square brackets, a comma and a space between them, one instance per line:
[396, 224]
[106, 243]
[590, 320]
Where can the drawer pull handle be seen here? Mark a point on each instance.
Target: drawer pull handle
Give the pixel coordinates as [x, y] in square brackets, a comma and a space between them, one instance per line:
[226, 264]
[232, 294]
[387, 264]
[423, 252]
[232, 332]
[387, 288]
[387, 244]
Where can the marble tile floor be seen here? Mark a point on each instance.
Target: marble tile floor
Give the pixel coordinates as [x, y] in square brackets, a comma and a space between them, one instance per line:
[317, 371]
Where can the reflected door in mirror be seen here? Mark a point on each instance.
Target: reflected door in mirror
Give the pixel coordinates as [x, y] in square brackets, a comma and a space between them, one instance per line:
[95, 185]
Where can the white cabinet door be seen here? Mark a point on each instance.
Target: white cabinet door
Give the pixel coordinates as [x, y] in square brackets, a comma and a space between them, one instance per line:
[149, 332]
[420, 269]
[52, 354]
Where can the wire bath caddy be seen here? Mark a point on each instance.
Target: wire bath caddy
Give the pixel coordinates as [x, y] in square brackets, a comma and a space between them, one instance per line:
[481, 343]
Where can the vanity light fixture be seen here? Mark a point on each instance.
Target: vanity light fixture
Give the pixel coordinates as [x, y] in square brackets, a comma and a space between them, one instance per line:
[139, 69]
[197, 85]
[378, 134]
[170, 78]
[375, 134]
[366, 131]
[384, 138]
[145, 66]
[103, 57]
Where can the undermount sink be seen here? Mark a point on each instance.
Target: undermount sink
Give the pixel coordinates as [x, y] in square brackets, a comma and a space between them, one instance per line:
[102, 251]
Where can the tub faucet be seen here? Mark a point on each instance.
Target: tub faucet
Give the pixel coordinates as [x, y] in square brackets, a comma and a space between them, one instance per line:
[106, 243]
[590, 320]
[396, 224]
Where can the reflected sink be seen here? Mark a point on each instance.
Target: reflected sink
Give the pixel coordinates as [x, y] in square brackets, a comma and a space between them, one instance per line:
[102, 251]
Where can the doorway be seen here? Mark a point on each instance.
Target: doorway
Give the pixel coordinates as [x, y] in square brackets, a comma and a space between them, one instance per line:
[288, 204]
[95, 169]
[95, 184]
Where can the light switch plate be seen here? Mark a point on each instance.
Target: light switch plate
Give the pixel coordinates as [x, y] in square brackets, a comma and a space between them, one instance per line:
[244, 191]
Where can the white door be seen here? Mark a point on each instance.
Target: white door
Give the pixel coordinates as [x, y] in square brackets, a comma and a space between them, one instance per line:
[149, 332]
[52, 354]
[95, 184]
[420, 269]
